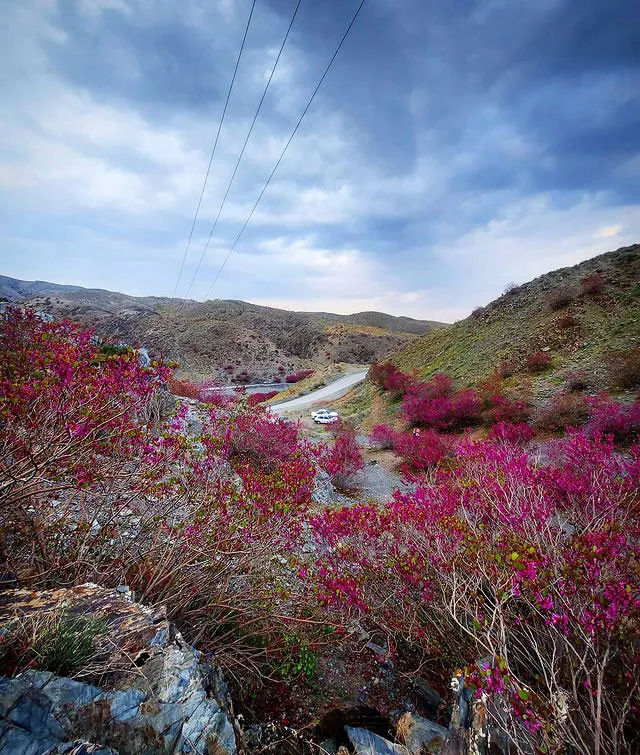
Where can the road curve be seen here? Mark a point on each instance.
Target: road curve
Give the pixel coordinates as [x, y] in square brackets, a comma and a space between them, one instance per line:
[334, 390]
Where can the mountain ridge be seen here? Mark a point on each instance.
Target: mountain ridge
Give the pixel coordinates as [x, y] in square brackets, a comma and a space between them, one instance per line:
[223, 338]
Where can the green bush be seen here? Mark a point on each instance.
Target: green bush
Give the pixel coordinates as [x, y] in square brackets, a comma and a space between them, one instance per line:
[60, 643]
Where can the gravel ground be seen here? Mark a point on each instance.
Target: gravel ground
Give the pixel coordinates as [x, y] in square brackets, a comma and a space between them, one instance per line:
[376, 482]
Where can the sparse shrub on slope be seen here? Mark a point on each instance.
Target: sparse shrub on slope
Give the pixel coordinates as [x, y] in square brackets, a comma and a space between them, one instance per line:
[506, 368]
[567, 322]
[624, 369]
[389, 378]
[562, 411]
[559, 298]
[577, 380]
[592, 285]
[539, 361]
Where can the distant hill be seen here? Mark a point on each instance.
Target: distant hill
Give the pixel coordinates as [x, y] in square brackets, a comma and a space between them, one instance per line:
[224, 337]
[579, 335]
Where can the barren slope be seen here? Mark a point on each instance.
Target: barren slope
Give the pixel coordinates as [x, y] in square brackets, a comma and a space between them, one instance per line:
[224, 337]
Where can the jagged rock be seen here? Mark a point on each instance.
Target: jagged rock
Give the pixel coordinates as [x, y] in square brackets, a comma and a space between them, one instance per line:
[367, 743]
[420, 735]
[161, 704]
[329, 747]
[193, 423]
[323, 490]
[469, 729]
[431, 698]
[80, 748]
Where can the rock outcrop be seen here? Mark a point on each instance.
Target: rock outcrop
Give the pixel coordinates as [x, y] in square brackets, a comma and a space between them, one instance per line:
[163, 700]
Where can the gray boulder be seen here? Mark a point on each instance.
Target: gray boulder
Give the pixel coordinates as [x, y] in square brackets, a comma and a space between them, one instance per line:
[420, 735]
[367, 743]
[164, 704]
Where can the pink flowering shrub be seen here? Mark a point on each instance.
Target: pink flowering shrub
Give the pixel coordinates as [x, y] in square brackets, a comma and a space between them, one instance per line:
[539, 361]
[383, 436]
[609, 417]
[423, 451]
[261, 398]
[562, 411]
[255, 436]
[532, 567]
[435, 405]
[184, 388]
[517, 434]
[91, 491]
[295, 377]
[207, 391]
[502, 409]
[388, 377]
[343, 459]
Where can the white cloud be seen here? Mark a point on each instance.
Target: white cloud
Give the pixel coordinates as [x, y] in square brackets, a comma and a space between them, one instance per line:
[531, 238]
[609, 230]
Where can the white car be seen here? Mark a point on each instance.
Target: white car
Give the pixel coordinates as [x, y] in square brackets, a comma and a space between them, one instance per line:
[324, 416]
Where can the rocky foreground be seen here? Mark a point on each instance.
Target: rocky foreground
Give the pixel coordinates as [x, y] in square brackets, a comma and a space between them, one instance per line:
[155, 694]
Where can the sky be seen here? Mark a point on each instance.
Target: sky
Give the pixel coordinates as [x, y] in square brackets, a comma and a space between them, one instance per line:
[455, 147]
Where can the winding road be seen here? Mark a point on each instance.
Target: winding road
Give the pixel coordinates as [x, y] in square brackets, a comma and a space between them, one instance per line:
[334, 390]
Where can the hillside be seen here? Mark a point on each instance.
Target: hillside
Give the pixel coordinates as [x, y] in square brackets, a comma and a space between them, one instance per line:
[586, 334]
[579, 335]
[223, 337]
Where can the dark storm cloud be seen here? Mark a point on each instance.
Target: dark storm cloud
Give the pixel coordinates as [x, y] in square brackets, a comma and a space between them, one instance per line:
[442, 125]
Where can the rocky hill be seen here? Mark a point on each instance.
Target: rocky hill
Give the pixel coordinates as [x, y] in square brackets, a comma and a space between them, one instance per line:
[220, 337]
[580, 316]
[583, 320]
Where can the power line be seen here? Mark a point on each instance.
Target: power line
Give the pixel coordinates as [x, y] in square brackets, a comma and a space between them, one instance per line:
[286, 147]
[244, 146]
[213, 151]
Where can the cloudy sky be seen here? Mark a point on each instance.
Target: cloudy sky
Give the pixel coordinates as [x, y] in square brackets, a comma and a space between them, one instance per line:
[455, 147]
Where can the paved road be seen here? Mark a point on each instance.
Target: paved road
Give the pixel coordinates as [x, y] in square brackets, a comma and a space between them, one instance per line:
[334, 390]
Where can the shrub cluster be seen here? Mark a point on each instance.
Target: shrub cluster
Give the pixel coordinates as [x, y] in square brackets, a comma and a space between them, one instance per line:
[624, 369]
[562, 411]
[342, 460]
[184, 388]
[521, 565]
[566, 322]
[592, 285]
[92, 492]
[559, 298]
[539, 361]
[577, 380]
[388, 377]
[619, 421]
[295, 377]
[260, 398]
